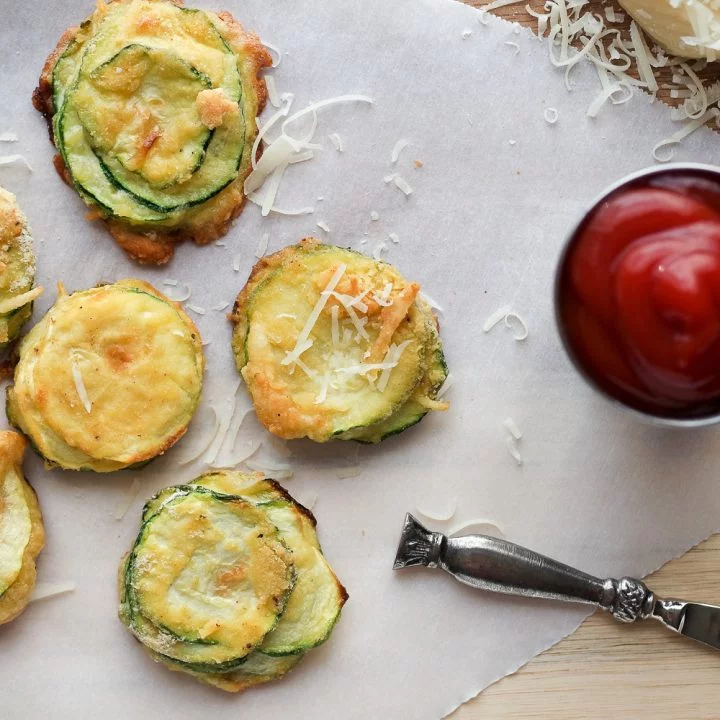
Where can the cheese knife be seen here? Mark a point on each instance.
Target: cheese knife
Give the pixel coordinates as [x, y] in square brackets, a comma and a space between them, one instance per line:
[496, 565]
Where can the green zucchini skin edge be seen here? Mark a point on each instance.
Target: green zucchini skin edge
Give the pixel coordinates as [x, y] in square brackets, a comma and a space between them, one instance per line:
[155, 505]
[133, 610]
[163, 217]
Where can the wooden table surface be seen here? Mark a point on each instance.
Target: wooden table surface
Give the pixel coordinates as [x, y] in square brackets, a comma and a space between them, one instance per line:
[604, 670]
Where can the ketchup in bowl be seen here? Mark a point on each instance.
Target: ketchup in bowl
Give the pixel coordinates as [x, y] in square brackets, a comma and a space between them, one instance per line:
[638, 293]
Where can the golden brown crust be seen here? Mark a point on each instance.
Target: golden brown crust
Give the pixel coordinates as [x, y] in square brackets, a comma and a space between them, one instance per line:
[145, 247]
[42, 95]
[153, 246]
[255, 53]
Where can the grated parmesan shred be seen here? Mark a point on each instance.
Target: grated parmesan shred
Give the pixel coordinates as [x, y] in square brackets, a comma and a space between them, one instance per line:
[686, 130]
[551, 115]
[510, 444]
[42, 591]
[308, 500]
[262, 246]
[285, 150]
[642, 56]
[324, 385]
[274, 53]
[337, 142]
[449, 382]
[481, 526]
[399, 146]
[378, 250]
[440, 515]
[391, 359]
[497, 317]
[572, 31]
[323, 226]
[180, 291]
[512, 428]
[222, 429]
[277, 471]
[273, 96]
[402, 185]
[335, 330]
[301, 343]
[15, 160]
[8, 137]
[80, 385]
[512, 318]
[198, 448]
[13, 303]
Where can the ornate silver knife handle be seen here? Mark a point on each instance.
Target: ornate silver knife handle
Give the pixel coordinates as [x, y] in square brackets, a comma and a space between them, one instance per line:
[496, 565]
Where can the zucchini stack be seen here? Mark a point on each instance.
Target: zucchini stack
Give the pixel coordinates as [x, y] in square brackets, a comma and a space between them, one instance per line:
[108, 379]
[226, 581]
[22, 535]
[153, 112]
[333, 344]
[17, 270]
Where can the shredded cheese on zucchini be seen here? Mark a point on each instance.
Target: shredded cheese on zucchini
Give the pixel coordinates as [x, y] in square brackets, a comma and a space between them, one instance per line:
[13, 303]
[80, 385]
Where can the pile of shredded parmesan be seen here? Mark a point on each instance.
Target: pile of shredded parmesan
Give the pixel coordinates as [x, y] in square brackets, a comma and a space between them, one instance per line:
[292, 144]
[345, 334]
[625, 61]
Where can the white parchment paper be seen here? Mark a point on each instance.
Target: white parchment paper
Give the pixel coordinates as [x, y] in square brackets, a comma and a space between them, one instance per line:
[498, 189]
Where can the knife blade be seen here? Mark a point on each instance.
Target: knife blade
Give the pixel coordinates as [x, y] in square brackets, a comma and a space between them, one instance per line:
[698, 621]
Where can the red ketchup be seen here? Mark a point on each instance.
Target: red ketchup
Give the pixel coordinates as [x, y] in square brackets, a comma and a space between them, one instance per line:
[639, 294]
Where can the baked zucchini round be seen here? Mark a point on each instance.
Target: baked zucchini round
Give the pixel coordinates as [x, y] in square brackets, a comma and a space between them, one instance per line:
[109, 378]
[333, 344]
[22, 535]
[17, 270]
[227, 582]
[153, 108]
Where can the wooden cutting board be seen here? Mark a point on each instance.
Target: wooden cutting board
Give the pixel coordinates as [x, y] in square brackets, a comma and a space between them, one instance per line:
[605, 670]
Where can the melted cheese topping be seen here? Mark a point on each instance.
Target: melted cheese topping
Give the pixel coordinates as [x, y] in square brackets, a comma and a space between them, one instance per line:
[214, 106]
[122, 351]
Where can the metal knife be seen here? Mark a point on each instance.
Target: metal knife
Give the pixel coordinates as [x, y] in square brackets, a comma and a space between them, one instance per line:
[496, 565]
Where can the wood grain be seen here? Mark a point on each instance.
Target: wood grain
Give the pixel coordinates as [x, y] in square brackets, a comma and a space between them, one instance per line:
[605, 670]
[517, 13]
